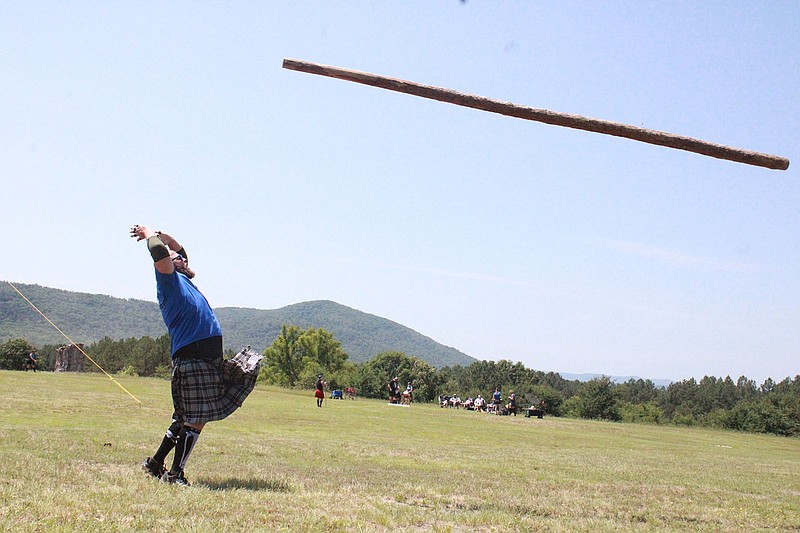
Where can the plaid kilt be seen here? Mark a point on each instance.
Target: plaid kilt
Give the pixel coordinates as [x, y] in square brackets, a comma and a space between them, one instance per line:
[205, 391]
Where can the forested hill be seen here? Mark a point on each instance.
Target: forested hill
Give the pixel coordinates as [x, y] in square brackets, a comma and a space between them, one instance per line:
[88, 318]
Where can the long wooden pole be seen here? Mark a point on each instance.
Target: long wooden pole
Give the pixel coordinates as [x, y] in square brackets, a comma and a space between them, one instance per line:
[450, 96]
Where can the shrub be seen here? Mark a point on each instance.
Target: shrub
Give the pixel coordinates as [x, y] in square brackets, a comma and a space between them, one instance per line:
[128, 371]
[718, 418]
[683, 419]
[598, 400]
[573, 407]
[761, 417]
[163, 371]
[14, 353]
[645, 413]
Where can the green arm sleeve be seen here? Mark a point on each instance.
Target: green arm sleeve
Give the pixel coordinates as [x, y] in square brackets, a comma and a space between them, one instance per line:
[158, 250]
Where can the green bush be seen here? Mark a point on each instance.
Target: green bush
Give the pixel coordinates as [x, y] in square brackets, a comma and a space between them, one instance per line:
[684, 419]
[718, 418]
[553, 399]
[761, 417]
[573, 407]
[14, 353]
[644, 413]
[163, 371]
[598, 400]
[272, 376]
[128, 371]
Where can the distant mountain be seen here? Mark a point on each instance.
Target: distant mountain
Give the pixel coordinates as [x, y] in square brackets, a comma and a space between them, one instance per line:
[88, 318]
[615, 379]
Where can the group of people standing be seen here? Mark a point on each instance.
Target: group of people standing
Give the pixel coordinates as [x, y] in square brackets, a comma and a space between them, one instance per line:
[319, 391]
[397, 396]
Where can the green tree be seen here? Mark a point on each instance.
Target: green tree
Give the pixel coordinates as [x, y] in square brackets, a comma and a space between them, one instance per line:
[573, 406]
[598, 400]
[426, 381]
[148, 354]
[283, 359]
[112, 355]
[637, 391]
[47, 356]
[321, 347]
[296, 357]
[308, 376]
[647, 412]
[762, 417]
[567, 388]
[746, 389]
[553, 399]
[680, 397]
[13, 354]
[371, 378]
[714, 393]
[367, 381]
[384, 367]
[346, 376]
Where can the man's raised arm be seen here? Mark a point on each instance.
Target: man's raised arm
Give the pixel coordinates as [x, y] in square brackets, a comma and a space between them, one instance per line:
[173, 244]
[158, 250]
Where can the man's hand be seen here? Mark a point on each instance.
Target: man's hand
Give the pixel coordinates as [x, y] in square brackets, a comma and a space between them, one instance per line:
[141, 232]
[169, 240]
[158, 250]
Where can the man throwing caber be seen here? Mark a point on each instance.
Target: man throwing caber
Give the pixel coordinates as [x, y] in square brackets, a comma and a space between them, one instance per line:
[201, 389]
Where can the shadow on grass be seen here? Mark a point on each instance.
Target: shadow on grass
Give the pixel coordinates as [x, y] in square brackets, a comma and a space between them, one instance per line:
[246, 484]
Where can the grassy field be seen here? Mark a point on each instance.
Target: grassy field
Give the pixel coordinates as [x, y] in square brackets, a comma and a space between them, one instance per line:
[71, 446]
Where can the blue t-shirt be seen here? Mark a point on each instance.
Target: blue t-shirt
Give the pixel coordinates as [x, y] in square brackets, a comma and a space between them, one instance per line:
[186, 312]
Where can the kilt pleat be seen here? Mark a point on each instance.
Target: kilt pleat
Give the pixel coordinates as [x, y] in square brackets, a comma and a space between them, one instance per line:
[205, 391]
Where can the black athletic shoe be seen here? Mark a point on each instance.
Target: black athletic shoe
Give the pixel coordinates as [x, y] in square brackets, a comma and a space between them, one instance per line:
[153, 468]
[175, 479]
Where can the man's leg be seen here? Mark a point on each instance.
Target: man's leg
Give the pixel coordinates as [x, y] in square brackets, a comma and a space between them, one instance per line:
[168, 443]
[155, 465]
[184, 444]
[197, 386]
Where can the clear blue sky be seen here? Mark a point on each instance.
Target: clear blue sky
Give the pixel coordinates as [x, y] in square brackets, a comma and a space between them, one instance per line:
[507, 239]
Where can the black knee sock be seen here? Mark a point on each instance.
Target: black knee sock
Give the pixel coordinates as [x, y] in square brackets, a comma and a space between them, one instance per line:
[166, 446]
[183, 448]
[168, 443]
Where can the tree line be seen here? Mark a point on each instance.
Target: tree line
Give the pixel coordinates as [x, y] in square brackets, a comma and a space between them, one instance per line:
[297, 356]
